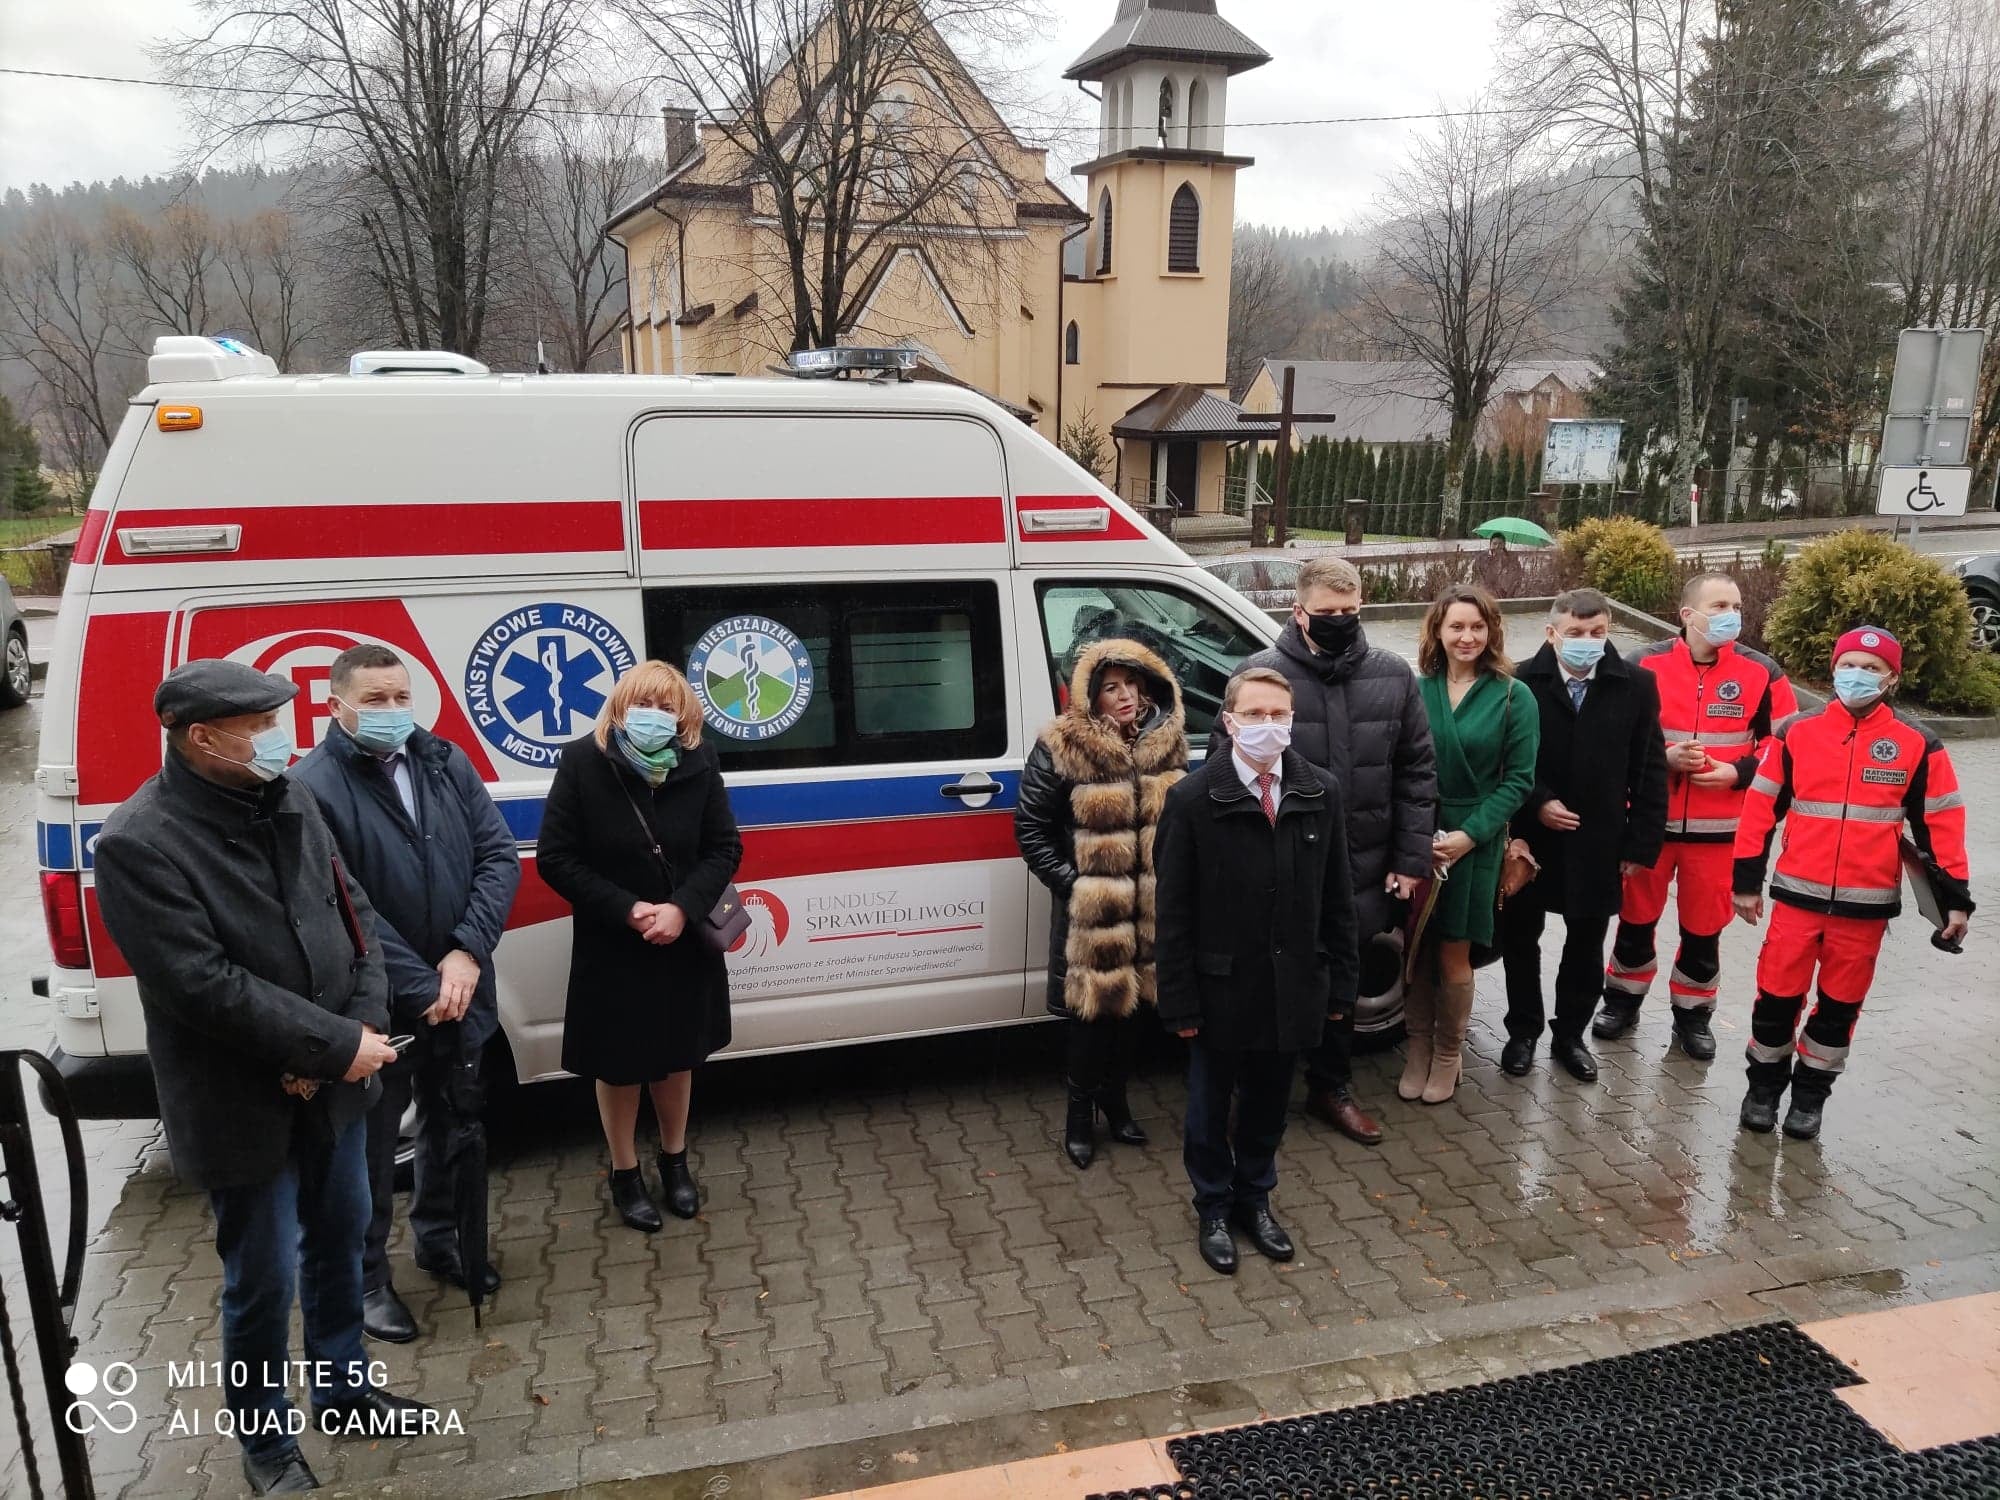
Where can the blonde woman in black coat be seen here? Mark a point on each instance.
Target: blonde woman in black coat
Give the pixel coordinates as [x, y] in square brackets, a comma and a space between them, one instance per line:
[639, 839]
[1091, 796]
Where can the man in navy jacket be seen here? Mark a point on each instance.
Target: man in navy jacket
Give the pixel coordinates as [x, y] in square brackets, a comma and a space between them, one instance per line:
[424, 839]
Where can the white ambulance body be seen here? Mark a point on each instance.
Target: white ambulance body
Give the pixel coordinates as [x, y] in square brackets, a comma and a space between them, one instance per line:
[875, 587]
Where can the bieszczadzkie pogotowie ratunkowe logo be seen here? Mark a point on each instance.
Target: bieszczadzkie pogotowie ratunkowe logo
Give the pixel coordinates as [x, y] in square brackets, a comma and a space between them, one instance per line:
[538, 677]
[753, 676]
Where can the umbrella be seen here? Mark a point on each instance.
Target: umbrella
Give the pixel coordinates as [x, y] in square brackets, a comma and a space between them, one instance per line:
[1515, 529]
[464, 1097]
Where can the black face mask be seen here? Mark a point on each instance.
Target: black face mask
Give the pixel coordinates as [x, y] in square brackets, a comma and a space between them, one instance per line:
[1334, 634]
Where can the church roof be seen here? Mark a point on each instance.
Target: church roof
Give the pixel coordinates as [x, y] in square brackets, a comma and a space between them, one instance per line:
[1183, 30]
[1190, 411]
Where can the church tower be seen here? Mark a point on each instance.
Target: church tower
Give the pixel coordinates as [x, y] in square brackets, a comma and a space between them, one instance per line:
[1148, 333]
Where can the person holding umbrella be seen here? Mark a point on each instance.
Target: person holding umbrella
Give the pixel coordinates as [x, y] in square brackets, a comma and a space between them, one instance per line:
[421, 834]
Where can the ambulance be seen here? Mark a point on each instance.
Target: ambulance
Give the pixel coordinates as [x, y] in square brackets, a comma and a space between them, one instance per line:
[875, 586]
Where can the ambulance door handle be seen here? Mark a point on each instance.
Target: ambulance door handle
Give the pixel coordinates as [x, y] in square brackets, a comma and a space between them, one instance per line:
[974, 790]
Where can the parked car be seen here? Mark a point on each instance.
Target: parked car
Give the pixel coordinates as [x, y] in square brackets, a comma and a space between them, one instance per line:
[1267, 582]
[16, 677]
[1981, 577]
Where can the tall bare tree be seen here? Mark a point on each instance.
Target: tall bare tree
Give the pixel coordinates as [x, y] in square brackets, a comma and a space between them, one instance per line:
[853, 125]
[1477, 250]
[58, 309]
[418, 104]
[1267, 310]
[266, 263]
[168, 262]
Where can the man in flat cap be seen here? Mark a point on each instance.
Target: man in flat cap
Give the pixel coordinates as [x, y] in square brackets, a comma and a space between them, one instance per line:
[265, 998]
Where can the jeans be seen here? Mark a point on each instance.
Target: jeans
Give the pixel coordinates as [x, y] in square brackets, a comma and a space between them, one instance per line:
[420, 1073]
[1579, 977]
[1330, 1065]
[271, 1235]
[1241, 1172]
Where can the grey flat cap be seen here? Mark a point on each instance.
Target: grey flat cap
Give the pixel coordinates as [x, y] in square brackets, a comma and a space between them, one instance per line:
[198, 691]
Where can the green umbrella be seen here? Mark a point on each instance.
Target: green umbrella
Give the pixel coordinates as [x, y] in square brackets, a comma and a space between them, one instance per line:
[1515, 529]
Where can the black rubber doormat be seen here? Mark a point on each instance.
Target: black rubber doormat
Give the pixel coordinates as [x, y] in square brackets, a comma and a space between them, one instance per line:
[1749, 1415]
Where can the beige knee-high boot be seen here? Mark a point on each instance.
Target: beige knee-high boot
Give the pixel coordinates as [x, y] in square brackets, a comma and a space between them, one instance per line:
[1454, 1016]
[1419, 1016]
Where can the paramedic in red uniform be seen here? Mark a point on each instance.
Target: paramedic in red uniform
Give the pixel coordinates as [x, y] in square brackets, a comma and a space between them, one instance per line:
[1845, 779]
[1719, 702]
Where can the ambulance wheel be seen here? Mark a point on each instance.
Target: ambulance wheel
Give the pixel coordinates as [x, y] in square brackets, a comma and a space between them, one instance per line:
[16, 676]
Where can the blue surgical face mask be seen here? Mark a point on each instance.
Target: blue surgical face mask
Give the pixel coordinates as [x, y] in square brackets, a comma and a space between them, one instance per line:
[271, 750]
[1723, 628]
[382, 730]
[1580, 652]
[650, 729]
[1857, 687]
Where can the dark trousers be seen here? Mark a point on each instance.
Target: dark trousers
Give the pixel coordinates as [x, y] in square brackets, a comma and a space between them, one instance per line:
[1242, 1169]
[1579, 977]
[1330, 1065]
[1098, 1054]
[273, 1236]
[419, 1074]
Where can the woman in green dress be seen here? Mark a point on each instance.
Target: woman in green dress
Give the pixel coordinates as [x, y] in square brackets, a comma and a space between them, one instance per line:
[1486, 730]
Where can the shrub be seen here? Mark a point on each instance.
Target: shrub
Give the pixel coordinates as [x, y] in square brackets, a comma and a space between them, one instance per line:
[1858, 577]
[1625, 558]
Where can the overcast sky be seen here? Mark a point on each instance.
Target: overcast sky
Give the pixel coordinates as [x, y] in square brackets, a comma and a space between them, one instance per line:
[1328, 59]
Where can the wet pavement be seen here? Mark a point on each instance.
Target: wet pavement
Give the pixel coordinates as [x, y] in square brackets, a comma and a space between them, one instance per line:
[896, 1272]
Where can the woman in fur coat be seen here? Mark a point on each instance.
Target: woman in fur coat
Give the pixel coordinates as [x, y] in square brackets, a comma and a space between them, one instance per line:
[1091, 796]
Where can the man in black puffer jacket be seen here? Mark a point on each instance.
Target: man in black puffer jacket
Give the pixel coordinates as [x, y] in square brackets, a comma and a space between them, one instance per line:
[1360, 717]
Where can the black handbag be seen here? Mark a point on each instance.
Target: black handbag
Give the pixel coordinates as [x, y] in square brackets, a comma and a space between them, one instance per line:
[727, 921]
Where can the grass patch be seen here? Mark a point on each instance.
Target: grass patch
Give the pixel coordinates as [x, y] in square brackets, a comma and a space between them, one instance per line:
[25, 531]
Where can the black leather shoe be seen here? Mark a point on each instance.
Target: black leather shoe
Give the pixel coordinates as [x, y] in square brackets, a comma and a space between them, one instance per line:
[1265, 1232]
[1802, 1120]
[1614, 1020]
[1118, 1120]
[1760, 1110]
[629, 1197]
[1079, 1144]
[371, 1413]
[1575, 1058]
[385, 1319]
[285, 1474]
[1517, 1057]
[677, 1185]
[1691, 1030]
[446, 1267]
[1218, 1246]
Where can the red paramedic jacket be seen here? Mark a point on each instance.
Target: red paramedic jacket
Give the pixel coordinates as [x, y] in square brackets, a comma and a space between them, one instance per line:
[1845, 787]
[1730, 706]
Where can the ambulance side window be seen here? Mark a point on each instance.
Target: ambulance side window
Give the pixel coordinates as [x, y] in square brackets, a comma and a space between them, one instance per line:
[1203, 646]
[804, 675]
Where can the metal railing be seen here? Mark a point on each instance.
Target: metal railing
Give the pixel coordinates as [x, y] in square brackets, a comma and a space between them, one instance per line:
[1239, 493]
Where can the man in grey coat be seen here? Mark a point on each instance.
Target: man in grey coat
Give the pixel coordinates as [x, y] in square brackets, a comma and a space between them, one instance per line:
[264, 997]
[440, 866]
[1361, 718]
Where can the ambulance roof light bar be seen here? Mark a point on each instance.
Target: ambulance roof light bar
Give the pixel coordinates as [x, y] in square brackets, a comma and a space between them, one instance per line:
[823, 364]
[191, 357]
[413, 362]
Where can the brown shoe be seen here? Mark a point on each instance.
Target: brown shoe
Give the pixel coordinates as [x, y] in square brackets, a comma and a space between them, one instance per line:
[1341, 1112]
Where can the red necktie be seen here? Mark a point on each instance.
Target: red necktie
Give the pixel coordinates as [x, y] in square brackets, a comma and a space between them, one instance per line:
[1264, 780]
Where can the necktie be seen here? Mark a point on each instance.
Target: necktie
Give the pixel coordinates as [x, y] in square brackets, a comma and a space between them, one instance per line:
[1264, 780]
[1577, 685]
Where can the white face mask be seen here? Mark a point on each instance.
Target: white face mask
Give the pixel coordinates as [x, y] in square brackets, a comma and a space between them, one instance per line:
[1263, 742]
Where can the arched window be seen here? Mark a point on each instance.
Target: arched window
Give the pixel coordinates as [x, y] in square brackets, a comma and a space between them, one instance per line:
[1104, 233]
[1197, 120]
[1072, 345]
[1166, 111]
[1184, 231]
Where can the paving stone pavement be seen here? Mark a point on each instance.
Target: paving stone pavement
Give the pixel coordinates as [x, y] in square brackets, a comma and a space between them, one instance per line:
[893, 1256]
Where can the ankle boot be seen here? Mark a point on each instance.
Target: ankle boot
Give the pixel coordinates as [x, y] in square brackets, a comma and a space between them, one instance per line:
[1079, 1144]
[678, 1185]
[1118, 1115]
[635, 1206]
[1454, 1016]
[1419, 1020]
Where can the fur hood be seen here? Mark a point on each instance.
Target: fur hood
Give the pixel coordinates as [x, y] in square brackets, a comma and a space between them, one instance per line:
[1088, 748]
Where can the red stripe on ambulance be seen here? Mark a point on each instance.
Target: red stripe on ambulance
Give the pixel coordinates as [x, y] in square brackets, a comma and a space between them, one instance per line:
[1117, 529]
[292, 533]
[124, 658]
[928, 521]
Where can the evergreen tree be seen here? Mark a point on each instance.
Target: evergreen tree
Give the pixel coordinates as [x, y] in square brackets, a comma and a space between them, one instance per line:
[1535, 474]
[28, 492]
[18, 449]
